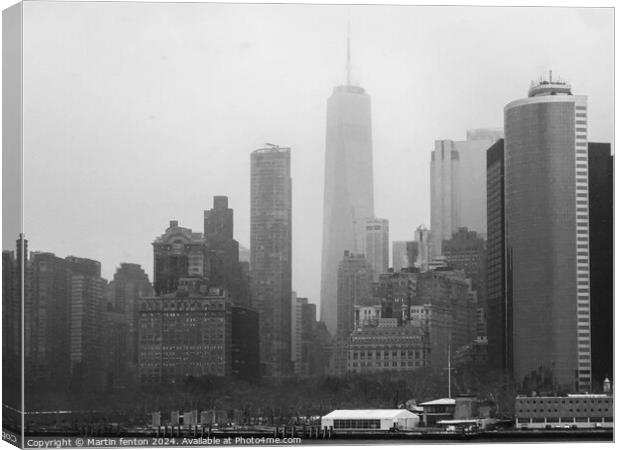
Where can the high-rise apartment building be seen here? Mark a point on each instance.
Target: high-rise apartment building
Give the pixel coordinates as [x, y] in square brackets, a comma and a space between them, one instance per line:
[499, 305]
[86, 331]
[600, 191]
[348, 195]
[270, 250]
[46, 327]
[121, 325]
[547, 236]
[376, 245]
[13, 347]
[178, 253]
[458, 185]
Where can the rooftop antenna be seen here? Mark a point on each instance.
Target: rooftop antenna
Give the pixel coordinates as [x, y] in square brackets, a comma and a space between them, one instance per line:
[348, 53]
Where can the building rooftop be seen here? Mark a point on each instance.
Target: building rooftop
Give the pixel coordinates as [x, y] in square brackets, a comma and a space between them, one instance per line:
[349, 89]
[549, 87]
[271, 149]
[439, 401]
[352, 414]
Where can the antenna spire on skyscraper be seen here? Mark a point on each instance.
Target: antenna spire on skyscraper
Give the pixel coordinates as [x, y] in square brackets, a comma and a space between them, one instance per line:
[348, 53]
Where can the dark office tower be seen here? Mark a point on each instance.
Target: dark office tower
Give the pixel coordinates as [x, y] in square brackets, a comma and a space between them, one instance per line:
[600, 190]
[270, 248]
[466, 250]
[47, 335]
[219, 219]
[348, 195]
[86, 291]
[547, 243]
[245, 349]
[178, 253]
[121, 319]
[86, 332]
[222, 251]
[499, 308]
[354, 277]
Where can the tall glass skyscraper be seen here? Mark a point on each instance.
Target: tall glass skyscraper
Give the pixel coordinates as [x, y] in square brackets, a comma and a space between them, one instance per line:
[458, 185]
[270, 253]
[348, 195]
[547, 228]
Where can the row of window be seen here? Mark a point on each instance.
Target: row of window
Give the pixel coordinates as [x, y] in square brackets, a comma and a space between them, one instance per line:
[386, 354]
[387, 364]
[570, 401]
[607, 419]
[357, 423]
[555, 410]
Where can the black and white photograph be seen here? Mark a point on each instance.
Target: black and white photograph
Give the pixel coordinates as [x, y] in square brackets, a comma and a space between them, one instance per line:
[283, 224]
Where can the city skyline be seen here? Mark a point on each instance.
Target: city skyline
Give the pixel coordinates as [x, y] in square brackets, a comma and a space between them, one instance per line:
[287, 220]
[408, 115]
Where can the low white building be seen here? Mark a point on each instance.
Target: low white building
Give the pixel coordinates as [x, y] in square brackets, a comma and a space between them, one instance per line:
[370, 419]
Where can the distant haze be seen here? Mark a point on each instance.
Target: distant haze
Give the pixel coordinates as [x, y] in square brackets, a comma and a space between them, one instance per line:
[138, 113]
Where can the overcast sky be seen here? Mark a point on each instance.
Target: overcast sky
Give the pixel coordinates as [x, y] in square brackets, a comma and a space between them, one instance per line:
[136, 114]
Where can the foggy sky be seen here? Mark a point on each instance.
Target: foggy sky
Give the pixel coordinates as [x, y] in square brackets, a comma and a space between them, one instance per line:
[136, 114]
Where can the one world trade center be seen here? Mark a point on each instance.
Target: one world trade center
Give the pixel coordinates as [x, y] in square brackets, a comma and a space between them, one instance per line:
[348, 195]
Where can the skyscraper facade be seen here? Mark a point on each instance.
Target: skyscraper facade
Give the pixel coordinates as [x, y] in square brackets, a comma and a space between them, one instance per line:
[270, 250]
[423, 241]
[404, 254]
[296, 330]
[600, 190]
[354, 277]
[348, 195]
[86, 331]
[185, 334]
[376, 245]
[466, 250]
[222, 266]
[121, 318]
[458, 185]
[547, 236]
[499, 306]
[47, 310]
